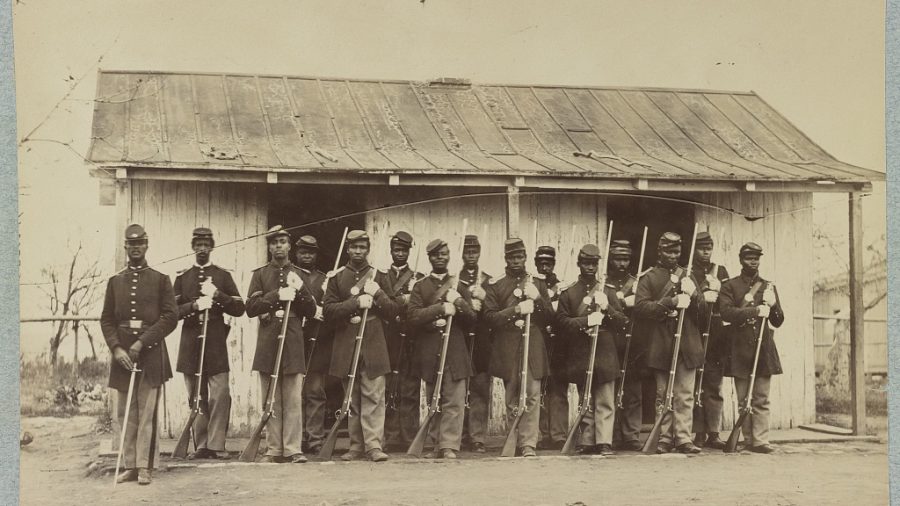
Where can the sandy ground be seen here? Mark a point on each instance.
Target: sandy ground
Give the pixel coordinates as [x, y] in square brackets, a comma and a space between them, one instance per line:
[54, 469]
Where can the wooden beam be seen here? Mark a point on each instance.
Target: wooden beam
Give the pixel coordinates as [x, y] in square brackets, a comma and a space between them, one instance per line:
[512, 211]
[857, 316]
[123, 219]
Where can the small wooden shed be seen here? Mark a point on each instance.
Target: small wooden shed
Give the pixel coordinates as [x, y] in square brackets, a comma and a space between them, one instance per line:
[239, 153]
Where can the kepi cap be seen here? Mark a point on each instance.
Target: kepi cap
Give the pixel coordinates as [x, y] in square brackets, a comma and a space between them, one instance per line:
[669, 240]
[704, 239]
[307, 242]
[548, 252]
[201, 233]
[357, 235]
[750, 248]
[402, 238]
[135, 232]
[435, 245]
[589, 252]
[513, 245]
[277, 231]
[471, 240]
[620, 248]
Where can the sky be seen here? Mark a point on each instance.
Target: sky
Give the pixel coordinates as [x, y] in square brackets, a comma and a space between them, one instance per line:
[818, 62]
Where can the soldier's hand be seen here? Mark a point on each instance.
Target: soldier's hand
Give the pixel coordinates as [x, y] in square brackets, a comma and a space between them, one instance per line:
[135, 350]
[769, 297]
[121, 357]
[371, 287]
[762, 311]
[602, 301]
[452, 295]
[476, 304]
[710, 296]
[687, 286]
[404, 298]
[629, 301]
[207, 288]
[526, 306]
[595, 318]
[365, 301]
[294, 281]
[531, 291]
[478, 293]
[320, 314]
[682, 301]
[204, 303]
[714, 283]
[286, 293]
[449, 308]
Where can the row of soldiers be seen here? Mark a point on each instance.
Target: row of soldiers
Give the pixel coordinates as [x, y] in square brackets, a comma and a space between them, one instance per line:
[320, 317]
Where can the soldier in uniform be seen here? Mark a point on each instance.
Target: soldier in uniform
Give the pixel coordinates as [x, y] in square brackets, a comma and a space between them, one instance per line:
[662, 294]
[402, 417]
[350, 292]
[582, 306]
[317, 347]
[708, 415]
[554, 423]
[746, 302]
[627, 425]
[433, 301]
[478, 335]
[207, 289]
[508, 301]
[138, 313]
[272, 286]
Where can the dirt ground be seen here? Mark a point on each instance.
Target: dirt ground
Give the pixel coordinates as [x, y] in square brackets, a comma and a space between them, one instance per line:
[54, 470]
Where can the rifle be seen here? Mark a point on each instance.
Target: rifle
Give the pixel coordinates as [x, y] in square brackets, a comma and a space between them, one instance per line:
[393, 388]
[249, 453]
[314, 339]
[666, 408]
[181, 446]
[621, 391]
[418, 442]
[331, 439]
[470, 336]
[569, 446]
[134, 371]
[698, 381]
[731, 443]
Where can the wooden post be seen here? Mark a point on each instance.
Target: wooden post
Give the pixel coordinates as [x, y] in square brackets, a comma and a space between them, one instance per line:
[512, 211]
[123, 219]
[857, 308]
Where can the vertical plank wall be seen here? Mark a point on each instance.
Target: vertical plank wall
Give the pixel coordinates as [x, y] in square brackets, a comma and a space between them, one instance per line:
[170, 210]
[785, 233]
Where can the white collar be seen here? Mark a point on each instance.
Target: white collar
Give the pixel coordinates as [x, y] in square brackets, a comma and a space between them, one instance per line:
[439, 276]
[400, 268]
[208, 264]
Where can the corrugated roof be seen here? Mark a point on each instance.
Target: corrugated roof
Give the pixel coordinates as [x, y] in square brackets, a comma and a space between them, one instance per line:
[231, 121]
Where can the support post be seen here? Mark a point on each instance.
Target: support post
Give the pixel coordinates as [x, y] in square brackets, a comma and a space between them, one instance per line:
[512, 211]
[857, 319]
[123, 219]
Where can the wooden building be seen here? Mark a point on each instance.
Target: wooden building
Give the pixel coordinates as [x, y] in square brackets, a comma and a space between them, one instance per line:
[239, 153]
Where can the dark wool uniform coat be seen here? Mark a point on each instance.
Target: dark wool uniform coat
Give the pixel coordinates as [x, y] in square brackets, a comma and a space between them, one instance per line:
[263, 302]
[479, 332]
[315, 329]
[655, 312]
[397, 284]
[572, 320]
[226, 301]
[557, 345]
[424, 312]
[717, 348]
[500, 314]
[637, 354]
[743, 328]
[139, 305]
[340, 306]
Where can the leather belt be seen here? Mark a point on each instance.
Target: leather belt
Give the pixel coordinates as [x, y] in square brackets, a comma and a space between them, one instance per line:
[133, 324]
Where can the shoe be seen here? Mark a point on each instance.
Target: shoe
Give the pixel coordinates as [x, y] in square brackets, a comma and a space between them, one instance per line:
[351, 455]
[478, 447]
[714, 442]
[376, 455]
[202, 453]
[632, 446]
[763, 448]
[127, 475]
[314, 448]
[688, 448]
[663, 448]
[528, 451]
[269, 459]
[583, 450]
[298, 458]
[221, 455]
[144, 477]
[448, 453]
[431, 455]
[700, 439]
[605, 450]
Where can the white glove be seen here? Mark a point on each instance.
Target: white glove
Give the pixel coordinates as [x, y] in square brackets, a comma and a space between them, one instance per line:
[713, 283]
[371, 287]
[710, 296]
[287, 293]
[595, 318]
[478, 293]
[294, 281]
[769, 297]
[208, 288]
[629, 301]
[320, 314]
[531, 291]
[204, 303]
[762, 311]
[365, 301]
[526, 306]
[449, 308]
[687, 286]
[682, 301]
[602, 301]
[476, 304]
[452, 295]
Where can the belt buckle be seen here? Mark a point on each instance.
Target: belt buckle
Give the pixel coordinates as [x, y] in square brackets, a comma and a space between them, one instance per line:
[134, 324]
[519, 323]
[440, 323]
[355, 319]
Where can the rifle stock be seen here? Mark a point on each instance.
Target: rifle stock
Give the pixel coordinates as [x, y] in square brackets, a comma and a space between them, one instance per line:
[509, 445]
[418, 442]
[181, 447]
[731, 443]
[184, 439]
[652, 442]
[252, 448]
